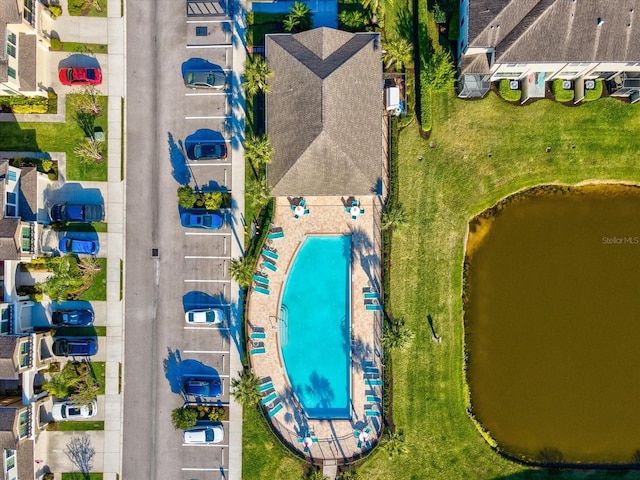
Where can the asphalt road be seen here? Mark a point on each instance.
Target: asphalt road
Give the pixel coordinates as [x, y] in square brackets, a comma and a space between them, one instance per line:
[168, 268]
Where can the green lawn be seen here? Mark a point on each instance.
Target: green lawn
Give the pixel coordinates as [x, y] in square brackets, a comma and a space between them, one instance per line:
[81, 476]
[72, 426]
[98, 289]
[57, 137]
[483, 151]
[99, 372]
[80, 47]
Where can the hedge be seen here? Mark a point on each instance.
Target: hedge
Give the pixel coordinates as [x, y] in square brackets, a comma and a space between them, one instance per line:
[505, 91]
[560, 94]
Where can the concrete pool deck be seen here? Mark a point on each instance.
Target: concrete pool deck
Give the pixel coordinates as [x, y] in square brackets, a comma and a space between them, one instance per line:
[327, 216]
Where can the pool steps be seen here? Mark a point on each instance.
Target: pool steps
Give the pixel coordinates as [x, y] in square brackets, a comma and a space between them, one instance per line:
[283, 325]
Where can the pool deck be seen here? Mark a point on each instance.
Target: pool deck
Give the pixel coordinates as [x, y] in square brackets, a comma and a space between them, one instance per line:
[326, 216]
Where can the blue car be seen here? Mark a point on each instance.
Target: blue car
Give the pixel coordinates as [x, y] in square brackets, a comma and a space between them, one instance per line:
[203, 388]
[211, 221]
[72, 318]
[67, 212]
[73, 245]
[65, 347]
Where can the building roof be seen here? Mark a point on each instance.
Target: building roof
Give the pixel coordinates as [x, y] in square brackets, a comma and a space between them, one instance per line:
[556, 30]
[324, 113]
[9, 248]
[27, 62]
[7, 422]
[9, 13]
[7, 360]
[28, 202]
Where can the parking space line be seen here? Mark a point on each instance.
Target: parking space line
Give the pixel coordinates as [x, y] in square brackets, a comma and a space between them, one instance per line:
[196, 280]
[228, 20]
[206, 351]
[205, 445]
[202, 256]
[206, 328]
[210, 117]
[229, 45]
[219, 234]
[203, 164]
[209, 94]
[191, 469]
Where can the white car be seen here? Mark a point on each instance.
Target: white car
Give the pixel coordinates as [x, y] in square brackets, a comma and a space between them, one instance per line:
[213, 433]
[62, 411]
[207, 316]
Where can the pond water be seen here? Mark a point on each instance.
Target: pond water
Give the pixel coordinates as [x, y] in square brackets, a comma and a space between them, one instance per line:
[552, 324]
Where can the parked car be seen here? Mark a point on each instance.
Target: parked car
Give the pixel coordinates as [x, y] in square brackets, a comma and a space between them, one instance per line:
[212, 433]
[203, 387]
[215, 79]
[205, 144]
[72, 318]
[65, 347]
[67, 212]
[75, 245]
[62, 411]
[211, 316]
[212, 221]
[80, 76]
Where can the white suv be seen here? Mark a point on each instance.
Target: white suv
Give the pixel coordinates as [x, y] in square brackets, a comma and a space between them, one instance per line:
[212, 433]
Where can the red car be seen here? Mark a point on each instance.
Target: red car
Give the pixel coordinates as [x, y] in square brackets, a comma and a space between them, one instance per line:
[80, 76]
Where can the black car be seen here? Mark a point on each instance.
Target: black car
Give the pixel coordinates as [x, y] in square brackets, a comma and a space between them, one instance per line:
[205, 144]
[72, 318]
[68, 212]
[65, 347]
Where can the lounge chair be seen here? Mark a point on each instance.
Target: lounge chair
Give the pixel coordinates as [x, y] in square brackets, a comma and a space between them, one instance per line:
[370, 369]
[359, 444]
[268, 391]
[371, 375]
[295, 215]
[275, 235]
[275, 230]
[275, 409]
[314, 440]
[354, 203]
[270, 266]
[306, 211]
[265, 387]
[258, 351]
[261, 279]
[261, 290]
[354, 217]
[371, 295]
[372, 413]
[362, 211]
[347, 209]
[293, 207]
[269, 399]
[371, 301]
[303, 202]
[269, 253]
[356, 433]
[374, 307]
[266, 379]
[373, 399]
[367, 430]
[374, 382]
[257, 335]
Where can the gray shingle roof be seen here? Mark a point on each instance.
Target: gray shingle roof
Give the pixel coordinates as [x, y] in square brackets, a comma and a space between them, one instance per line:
[556, 30]
[9, 13]
[7, 421]
[28, 194]
[324, 113]
[7, 358]
[27, 45]
[25, 459]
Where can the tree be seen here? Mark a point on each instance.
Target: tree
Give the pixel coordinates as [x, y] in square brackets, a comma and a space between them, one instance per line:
[69, 280]
[257, 193]
[87, 100]
[184, 418]
[257, 149]
[245, 389]
[89, 151]
[185, 196]
[396, 335]
[394, 216]
[351, 475]
[315, 474]
[241, 270]
[256, 75]
[353, 20]
[298, 19]
[86, 390]
[398, 51]
[394, 444]
[212, 200]
[61, 384]
[377, 9]
[440, 73]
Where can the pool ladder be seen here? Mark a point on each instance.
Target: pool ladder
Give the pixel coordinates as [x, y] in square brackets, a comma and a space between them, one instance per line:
[283, 325]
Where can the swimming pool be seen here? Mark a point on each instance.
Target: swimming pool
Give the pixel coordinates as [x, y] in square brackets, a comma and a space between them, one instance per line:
[315, 325]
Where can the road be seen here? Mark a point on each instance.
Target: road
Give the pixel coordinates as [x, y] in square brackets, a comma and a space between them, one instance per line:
[168, 268]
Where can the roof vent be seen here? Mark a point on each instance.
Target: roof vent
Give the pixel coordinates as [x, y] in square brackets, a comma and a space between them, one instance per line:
[600, 21]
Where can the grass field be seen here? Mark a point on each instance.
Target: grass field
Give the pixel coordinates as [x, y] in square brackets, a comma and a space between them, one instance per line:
[81, 476]
[98, 289]
[57, 137]
[483, 151]
[76, 426]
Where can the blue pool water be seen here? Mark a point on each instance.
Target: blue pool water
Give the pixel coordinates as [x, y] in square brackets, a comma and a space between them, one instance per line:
[315, 326]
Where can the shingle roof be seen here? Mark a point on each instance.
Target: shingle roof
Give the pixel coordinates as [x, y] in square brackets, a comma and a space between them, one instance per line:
[25, 459]
[28, 194]
[324, 113]
[556, 30]
[27, 62]
[9, 13]
[9, 248]
[7, 421]
[7, 358]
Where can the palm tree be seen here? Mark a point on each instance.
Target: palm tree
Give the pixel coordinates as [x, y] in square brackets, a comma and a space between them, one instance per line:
[298, 19]
[394, 444]
[257, 193]
[350, 475]
[398, 51]
[245, 389]
[396, 335]
[394, 216]
[257, 149]
[377, 8]
[315, 474]
[241, 270]
[290, 23]
[256, 75]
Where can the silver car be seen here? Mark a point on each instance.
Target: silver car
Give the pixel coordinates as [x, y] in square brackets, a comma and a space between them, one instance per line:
[213, 433]
[206, 316]
[62, 411]
[205, 79]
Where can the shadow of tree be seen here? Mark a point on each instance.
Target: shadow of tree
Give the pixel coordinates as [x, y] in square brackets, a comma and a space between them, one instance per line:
[173, 370]
[178, 160]
[81, 453]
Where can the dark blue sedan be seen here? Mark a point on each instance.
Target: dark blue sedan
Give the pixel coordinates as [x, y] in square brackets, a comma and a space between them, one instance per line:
[73, 245]
[203, 388]
[72, 318]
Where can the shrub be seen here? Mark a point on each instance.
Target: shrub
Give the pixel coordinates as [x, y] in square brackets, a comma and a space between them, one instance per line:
[505, 91]
[596, 93]
[53, 176]
[439, 15]
[560, 94]
[47, 165]
[55, 11]
[52, 102]
[184, 418]
[56, 45]
[425, 103]
[29, 109]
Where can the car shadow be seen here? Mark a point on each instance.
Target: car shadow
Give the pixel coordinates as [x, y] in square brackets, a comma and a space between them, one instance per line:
[198, 65]
[79, 60]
